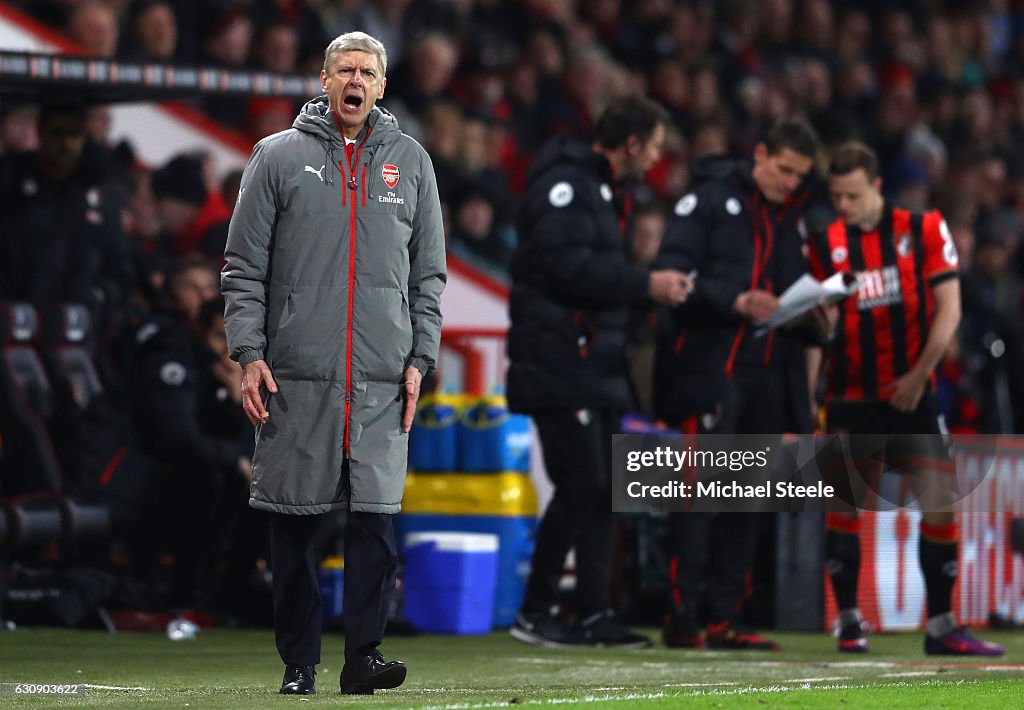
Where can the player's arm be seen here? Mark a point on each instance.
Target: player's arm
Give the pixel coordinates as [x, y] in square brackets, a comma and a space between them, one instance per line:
[813, 357]
[940, 268]
[907, 390]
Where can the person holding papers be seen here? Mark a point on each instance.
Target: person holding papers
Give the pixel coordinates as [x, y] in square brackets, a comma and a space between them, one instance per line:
[891, 335]
[741, 232]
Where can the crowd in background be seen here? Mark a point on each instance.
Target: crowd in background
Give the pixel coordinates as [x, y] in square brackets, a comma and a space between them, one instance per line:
[935, 87]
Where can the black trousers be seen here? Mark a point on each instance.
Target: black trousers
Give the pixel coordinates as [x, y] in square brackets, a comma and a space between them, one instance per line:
[712, 552]
[577, 454]
[371, 559]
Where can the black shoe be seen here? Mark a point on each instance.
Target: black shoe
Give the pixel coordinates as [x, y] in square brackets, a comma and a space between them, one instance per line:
[853, 638]
[299, 680]
[544, 629]
[364, 674]
[681, 631]
[603, 629]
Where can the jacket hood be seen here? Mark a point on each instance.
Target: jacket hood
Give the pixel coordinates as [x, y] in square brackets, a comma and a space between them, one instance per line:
[721, 167]
[562, 150]
[315, 118]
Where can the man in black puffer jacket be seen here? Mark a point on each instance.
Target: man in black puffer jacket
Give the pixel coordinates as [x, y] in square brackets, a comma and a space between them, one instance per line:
[741, 232]
[572, 288]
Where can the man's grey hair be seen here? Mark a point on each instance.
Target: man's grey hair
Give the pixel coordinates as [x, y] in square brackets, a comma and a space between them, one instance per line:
[357, 42]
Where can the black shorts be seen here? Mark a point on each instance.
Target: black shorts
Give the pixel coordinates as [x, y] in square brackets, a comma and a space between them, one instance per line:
[898, 439]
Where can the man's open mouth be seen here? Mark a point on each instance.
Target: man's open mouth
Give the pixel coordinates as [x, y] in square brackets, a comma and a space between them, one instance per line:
[354, 101]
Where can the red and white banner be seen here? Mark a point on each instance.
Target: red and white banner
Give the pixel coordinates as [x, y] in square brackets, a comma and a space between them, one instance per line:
[891, 592]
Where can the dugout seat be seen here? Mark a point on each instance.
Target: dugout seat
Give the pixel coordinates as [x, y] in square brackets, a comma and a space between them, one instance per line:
[30, 463]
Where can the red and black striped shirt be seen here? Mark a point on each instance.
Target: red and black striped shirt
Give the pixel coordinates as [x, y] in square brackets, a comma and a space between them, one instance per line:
[883, 327]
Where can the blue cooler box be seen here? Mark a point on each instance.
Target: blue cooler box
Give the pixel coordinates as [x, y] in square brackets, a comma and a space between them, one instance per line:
[332, 586]
[502, 504]
[450, 579]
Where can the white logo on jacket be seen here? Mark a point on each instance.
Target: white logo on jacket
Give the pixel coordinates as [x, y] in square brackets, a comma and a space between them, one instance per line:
[173, 374]
[561, 194]
[606, 192]
[732, 206]
[318, 173]
[686, 205]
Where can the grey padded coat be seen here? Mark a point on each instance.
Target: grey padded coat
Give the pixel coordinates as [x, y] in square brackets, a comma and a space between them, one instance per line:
[333, 275]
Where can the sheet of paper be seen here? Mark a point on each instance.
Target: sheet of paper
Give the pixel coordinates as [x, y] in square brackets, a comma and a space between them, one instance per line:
[806, 293]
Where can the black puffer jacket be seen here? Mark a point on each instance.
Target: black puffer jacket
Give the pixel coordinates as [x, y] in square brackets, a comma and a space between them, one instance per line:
[572, 286]
[735, 240]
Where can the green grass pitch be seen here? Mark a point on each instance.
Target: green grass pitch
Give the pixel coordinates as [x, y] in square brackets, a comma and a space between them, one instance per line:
[225, 668]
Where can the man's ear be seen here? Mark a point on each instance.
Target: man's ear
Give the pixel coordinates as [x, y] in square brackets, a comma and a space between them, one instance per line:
[633, 146]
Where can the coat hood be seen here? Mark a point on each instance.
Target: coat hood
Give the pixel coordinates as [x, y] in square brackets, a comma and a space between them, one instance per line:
[563, 150]
[315, 118]
[721, 167]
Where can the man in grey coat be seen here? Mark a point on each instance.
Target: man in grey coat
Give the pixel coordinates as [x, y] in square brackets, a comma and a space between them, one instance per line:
[333, 277]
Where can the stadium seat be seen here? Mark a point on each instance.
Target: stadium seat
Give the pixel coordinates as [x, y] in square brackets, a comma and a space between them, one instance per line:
[66, 335]
[30, 463]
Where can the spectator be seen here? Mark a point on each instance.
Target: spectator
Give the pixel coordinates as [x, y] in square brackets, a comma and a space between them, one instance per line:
[277, 48]
[442, 137]
[217, 233]
[427, 74]
[18, 128]
[93, 26]
[474, 229]
[153, 31]
[204, 475]
[60, 229]
[184, 204]
[227, 43]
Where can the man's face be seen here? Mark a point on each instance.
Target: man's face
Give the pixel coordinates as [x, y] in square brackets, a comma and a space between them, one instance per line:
[193, 288]
[779, 174]
[853, 194]
[353, 85]
[641, 156]
[61, 139]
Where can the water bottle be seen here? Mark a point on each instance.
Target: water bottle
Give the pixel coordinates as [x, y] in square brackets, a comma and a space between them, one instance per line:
[181, 629]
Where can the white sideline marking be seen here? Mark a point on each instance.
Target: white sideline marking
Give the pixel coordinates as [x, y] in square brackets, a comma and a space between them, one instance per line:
[93, 686]
[747, 690]
[908, 674]
[1014, 669]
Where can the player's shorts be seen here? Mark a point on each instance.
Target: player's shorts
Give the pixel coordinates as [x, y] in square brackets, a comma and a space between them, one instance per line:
[880, 439]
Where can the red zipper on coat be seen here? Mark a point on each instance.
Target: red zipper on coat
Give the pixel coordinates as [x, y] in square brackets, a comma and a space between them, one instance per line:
[351, 294]
[350, 185]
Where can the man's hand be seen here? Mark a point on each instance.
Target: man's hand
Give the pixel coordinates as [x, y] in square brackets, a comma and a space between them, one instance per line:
[757, 305]
[411, 389]
[255, 375]
[669, 287]
[824, 318]
[907, 391]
